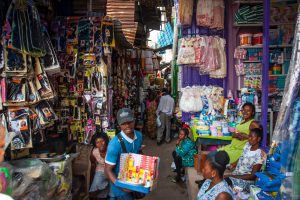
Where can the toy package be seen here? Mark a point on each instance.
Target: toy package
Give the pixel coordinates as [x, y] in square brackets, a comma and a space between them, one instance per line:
[137, 172]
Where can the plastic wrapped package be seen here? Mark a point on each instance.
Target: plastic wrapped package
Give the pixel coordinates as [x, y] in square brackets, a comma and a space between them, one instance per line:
[63, 170]
[15, 62]
[185, 11]
[49, 61]
[204, 14]
[212, 59]
[24, 28]
[222, 71]
[190, 100]
[218, 14]
[291, 90]
[32, 179]
[186, 53]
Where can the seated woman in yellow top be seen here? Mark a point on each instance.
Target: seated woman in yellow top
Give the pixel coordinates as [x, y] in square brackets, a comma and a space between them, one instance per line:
[240, 137]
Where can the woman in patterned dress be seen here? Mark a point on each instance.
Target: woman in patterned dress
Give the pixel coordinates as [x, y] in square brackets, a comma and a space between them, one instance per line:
[249, 163]
[215, 187]
[151, 106]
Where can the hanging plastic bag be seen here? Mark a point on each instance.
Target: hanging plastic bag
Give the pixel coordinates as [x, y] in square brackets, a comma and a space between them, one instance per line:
[158, 122]
[185, 12]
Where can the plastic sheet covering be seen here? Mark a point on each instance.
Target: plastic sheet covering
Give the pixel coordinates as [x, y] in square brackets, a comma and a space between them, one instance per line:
[32, 179]
[291, 90]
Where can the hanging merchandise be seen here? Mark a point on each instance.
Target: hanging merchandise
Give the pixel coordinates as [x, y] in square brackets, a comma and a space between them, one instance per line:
[42, 81]
[207, 53]
[198, 98]
[33, 94]
[19, 124]
[27, 54]
[185, 12]
[49, 62]
[82, 83]
[210, 13]
[108, 36]
[186, 52]
[222, 72]
[45, 112]
[24, 29]
[15, 91]
[15, 62]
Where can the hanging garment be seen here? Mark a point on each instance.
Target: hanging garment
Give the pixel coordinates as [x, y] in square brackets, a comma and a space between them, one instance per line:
[185, 11]
[191, 100]
[218, 14]
[222, 71]
[204, 14]
[211, 60]
[186, 53]
[26, 30]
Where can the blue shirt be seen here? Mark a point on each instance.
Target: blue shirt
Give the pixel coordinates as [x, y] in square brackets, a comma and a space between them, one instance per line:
[114, 152]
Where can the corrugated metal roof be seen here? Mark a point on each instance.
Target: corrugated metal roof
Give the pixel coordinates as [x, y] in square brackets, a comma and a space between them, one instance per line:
[124, 11]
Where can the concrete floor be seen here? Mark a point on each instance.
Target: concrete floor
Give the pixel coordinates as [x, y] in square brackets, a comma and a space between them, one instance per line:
[165, 188]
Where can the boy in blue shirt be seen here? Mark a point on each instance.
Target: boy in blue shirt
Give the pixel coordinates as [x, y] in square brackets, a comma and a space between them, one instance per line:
[133, 142]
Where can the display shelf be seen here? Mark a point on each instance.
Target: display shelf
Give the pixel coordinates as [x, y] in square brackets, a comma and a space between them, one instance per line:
[250, 47]
[281, 46]
[253, 75]
[249, 61]
[248, 25]
[271, 46]
[277, 74]
[261, 24]
[249, 2]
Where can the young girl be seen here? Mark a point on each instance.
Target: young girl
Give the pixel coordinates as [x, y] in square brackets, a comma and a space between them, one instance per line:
[99, 187]
[249, 163]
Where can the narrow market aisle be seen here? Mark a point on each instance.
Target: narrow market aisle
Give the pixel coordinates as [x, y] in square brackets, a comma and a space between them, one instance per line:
[165, 188]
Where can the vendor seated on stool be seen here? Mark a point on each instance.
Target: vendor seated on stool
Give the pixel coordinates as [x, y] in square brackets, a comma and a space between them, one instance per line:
[249, 163]
[240, 137]
[184, 153]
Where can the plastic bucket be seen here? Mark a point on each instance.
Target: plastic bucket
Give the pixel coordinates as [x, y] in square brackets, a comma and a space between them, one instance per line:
[246, 39]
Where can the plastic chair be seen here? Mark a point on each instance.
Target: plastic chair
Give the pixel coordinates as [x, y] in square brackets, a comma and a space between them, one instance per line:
[82, 165]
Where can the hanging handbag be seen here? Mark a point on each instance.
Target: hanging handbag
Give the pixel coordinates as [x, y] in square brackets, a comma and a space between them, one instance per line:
[135, 195]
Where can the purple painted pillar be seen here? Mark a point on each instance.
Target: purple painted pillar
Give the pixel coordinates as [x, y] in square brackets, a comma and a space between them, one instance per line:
[265, 71]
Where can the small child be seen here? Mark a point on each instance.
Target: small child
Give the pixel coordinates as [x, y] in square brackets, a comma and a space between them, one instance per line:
[99, 187]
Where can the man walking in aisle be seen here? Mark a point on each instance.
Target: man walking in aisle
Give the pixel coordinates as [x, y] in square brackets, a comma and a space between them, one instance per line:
[165, 112]
[132, 143]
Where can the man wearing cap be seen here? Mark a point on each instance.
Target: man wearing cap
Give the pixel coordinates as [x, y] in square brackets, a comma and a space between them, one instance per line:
[165, 111]
[133, 143]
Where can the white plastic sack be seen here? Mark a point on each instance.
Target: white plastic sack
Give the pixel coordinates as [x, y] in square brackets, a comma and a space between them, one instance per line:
[158, 122]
